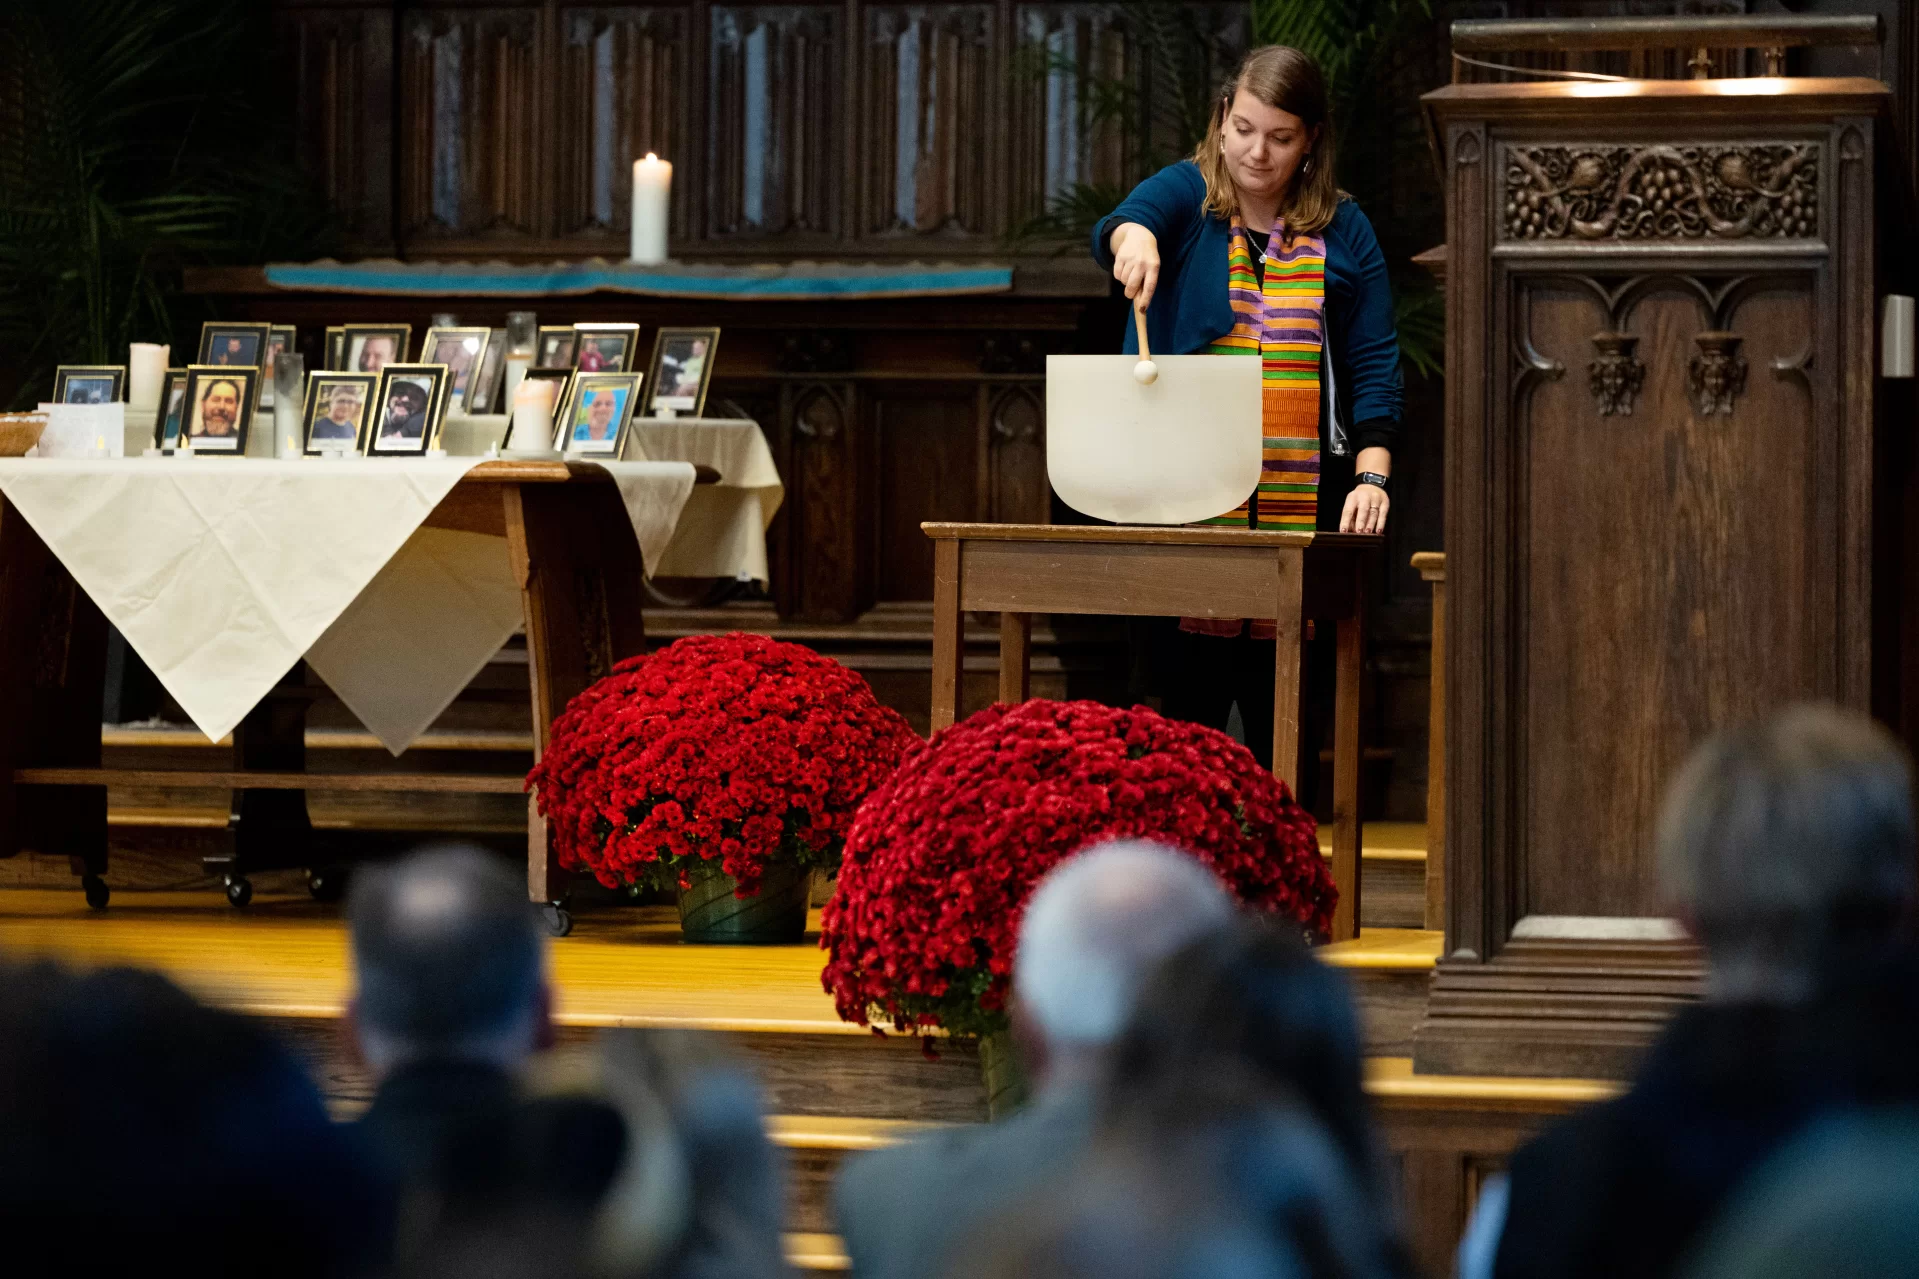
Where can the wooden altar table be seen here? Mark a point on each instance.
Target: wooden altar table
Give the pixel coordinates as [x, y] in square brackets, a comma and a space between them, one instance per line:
[1018, 570]
[572, 550]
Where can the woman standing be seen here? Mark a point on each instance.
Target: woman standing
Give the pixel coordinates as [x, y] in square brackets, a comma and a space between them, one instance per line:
[1250, 249]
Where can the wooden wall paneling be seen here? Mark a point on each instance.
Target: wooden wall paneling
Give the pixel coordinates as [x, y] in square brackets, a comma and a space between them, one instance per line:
[829, 551]
[928, 450]
[1014, 453]
[776, 123]
[623, 91]
[1052, 143]
[472, 166]
[338, 64]
[927, 76]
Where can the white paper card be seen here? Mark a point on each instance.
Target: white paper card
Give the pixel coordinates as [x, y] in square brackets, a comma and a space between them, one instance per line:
[81, 430]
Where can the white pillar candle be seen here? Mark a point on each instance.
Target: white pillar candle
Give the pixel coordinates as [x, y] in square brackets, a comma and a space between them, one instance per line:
[146, 374]
[533, 417]
[516, 367]
[652, 185]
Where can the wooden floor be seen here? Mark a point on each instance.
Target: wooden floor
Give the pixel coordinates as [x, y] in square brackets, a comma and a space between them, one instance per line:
[286, 956]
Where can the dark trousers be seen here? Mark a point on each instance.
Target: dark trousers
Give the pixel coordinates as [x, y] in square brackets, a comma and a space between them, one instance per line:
[1204, 676]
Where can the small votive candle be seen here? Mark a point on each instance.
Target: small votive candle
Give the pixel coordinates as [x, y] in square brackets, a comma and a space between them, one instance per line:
[652, 187]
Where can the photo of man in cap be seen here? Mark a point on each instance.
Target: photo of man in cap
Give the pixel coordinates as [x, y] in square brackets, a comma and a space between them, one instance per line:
[403, 427]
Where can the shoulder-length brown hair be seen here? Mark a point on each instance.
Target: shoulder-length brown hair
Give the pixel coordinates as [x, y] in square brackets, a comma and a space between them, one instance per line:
[1285, 78]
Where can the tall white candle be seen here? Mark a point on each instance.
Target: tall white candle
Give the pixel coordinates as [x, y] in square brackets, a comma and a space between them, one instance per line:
[146, 372]
[652, 185]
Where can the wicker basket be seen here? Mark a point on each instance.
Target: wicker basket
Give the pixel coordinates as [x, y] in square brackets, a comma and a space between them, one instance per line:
[20, 432]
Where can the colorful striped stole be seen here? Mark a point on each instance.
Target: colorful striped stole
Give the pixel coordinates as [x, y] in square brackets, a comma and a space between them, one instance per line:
[1281, 321]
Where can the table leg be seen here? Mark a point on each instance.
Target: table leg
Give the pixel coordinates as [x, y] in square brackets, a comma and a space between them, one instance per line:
[53, 655]
[947, 633]
[581, 580]
[1015, 657]
[1346, 771]
[1288, 634]
[268, 829]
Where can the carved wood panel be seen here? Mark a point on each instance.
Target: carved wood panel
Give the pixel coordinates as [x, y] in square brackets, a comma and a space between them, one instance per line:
[776, 121]
[1685, 191]
[1668, 561]
[623, 92]
[470, 88]
[927, 76]
[1054, 143]
[1015, 454]
[928, 448]
[827, 575]
[338, 64]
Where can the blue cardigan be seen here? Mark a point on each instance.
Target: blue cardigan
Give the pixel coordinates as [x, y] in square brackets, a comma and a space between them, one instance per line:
[1190, 307]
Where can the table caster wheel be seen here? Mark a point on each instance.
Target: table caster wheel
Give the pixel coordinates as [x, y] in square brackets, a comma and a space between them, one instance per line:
[328, 885]
[559, 920]
[239, 890]
[96, 891]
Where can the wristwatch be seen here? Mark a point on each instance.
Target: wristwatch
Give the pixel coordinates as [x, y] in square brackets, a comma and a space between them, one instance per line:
[1373, 478]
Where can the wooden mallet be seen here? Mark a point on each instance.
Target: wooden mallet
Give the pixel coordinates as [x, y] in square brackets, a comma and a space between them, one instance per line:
[1145, 372]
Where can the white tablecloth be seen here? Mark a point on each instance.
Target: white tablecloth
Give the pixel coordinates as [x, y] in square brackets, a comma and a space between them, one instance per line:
[223, 572]
[722, 531]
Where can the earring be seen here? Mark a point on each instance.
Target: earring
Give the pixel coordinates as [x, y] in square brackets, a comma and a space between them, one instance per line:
[1307, 167]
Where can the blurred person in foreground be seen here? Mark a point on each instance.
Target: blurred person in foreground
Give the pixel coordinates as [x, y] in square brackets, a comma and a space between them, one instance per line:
[1245, 1051]
[1154, 1203]
[142, 1132]
[1787, 848]
[1840, 1202]
[1093, 930]
[452, 1003]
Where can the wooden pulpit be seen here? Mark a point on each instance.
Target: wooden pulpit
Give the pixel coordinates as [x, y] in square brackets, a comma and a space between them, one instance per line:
[1673, 503]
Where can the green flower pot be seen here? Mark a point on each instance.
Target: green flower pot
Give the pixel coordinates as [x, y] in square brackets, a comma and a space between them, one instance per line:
[775, 916]
[1000, 1069]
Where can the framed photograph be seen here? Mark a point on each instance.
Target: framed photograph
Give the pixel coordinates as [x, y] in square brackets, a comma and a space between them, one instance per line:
[280, 338]
[681, 369]
[166, 427]
[555, 347]
[406, 410]
[463, 351]
[233, 346]
[369, 348]
[219, 407]
[335, 354]
[89, 383]
[483, 395]
[335, 415]
[605, 348]
[598, 409]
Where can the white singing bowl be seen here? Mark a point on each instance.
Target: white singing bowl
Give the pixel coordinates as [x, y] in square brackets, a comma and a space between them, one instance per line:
[1185, 446]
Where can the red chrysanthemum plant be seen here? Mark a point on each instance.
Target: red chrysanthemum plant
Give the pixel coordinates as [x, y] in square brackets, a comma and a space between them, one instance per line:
[728, 753]
[943, 856]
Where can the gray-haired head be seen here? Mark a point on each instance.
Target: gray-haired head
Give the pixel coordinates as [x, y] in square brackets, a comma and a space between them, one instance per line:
[450, 958]
[1789, 845]
[1097, 925]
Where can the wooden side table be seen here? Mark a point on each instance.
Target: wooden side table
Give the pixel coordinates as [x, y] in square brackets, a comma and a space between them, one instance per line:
[1018, 570]
[573, 552]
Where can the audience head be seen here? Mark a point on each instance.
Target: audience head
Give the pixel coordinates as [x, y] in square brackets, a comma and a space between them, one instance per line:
[142, 1131]
[450, 958]
[1250, 998]
[1788, 846]
[1092, 931]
